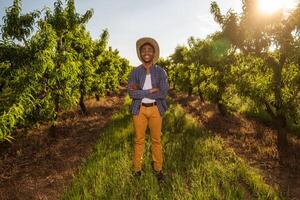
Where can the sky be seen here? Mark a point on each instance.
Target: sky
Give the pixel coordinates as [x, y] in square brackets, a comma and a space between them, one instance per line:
[170, 22]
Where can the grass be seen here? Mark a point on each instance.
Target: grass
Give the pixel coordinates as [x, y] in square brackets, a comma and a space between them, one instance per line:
[196, 164]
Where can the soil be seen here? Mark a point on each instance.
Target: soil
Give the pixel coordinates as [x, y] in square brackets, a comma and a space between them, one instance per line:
[253, 141]
[38, 166]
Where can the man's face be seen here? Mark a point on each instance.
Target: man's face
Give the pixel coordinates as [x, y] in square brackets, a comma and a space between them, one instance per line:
[147, 53]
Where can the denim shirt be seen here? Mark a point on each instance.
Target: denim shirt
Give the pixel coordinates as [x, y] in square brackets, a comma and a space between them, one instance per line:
[159, 80]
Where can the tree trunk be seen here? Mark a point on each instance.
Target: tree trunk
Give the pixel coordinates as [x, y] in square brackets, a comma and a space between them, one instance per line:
[56, 103]
[280, 118]
[174, 82]
[222, 109]
[282, 142]
[82, 105]
[200, 95]
[97, 97]
[56, 98]
[190, 90]
[269, 110]
[52, 129]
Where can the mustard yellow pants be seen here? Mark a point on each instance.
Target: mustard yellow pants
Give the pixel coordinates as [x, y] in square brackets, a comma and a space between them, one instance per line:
[147, 116]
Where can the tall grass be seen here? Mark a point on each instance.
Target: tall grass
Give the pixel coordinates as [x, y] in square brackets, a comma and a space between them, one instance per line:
[196, 164]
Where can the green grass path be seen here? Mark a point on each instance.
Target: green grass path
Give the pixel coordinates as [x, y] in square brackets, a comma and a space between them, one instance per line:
[196, 164]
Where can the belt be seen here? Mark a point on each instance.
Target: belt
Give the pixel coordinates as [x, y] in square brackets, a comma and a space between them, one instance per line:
[149, 104]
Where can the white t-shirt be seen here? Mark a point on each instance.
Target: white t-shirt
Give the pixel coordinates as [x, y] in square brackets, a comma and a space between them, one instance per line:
[147, 85]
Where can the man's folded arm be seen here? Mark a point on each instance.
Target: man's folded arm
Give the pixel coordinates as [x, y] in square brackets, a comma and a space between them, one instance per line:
[163, 89]
[135, 94]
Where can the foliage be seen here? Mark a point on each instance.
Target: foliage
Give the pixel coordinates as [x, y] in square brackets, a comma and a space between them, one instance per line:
[53, 68]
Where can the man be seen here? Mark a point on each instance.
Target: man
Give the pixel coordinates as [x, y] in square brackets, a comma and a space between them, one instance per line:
[148, 88]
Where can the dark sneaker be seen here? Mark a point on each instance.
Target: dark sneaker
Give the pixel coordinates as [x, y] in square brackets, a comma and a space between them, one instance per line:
[137, 174]
[160, 176]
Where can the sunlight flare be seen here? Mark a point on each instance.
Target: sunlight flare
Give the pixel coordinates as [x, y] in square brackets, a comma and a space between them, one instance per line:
[272, 6]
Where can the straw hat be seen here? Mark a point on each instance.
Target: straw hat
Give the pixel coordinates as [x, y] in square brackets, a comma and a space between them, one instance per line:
[140, 42]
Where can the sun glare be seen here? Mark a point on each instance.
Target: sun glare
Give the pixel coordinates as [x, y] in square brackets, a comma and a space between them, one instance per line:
[271, 6]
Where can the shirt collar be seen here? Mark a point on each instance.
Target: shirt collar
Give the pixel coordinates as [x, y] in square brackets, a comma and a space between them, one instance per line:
[151, 67]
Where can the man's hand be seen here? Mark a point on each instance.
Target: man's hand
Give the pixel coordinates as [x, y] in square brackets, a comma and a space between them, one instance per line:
[154, 90]
[134, 86]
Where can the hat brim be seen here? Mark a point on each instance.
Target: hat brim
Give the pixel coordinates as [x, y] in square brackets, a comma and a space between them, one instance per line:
[140, 42]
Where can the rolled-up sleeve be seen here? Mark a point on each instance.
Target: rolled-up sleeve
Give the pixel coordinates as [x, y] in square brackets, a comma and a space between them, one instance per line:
[135, 94]
[163, 87]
